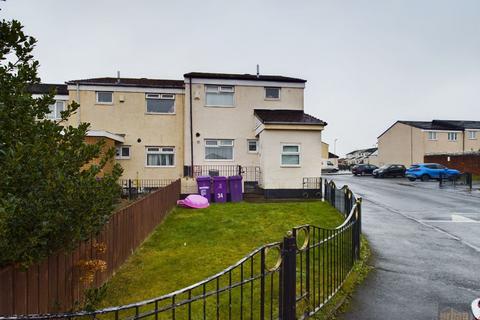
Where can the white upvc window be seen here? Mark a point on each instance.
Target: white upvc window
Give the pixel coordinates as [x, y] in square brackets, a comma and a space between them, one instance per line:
[160, 103]
[219, 96]
[290, 156]
[452, 136]
[104, 97]
[252, 145]
[219, 149]
[472, 135]
[160, 156]
[122, 152]
[432, 135]
[272, 93]
[55, 110]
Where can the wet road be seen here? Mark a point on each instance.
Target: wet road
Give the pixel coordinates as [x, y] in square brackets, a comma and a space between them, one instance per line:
[426, 249]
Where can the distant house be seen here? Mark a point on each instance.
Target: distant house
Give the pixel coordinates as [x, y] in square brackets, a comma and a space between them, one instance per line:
[361, 156]
[407, 142]
[328, 159]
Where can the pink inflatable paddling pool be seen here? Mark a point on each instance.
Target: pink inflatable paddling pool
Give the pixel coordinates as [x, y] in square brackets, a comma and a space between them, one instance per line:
[194, 201]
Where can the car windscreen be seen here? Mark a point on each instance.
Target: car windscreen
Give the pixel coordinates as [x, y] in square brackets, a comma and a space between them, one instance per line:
[384, 167]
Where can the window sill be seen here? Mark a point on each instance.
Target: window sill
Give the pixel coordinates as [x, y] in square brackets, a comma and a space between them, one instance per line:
[219, 160]
[272, 99]
[160, 113]
[122, 158]
[253, 152]
[159, 166]
[290, 166]
[218, 106]
[104, 103]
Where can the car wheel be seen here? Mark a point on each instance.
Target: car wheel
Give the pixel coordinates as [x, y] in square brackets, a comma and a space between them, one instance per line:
[412, 178]
[363, 173]
[425, 177]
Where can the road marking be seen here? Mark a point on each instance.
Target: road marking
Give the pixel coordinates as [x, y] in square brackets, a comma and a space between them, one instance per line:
[456, 218]
[448, 234]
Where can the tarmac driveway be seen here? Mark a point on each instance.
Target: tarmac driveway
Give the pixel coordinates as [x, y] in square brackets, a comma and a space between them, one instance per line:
[426, 249]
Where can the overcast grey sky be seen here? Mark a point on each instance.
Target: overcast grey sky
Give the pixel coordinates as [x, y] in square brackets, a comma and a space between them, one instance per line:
[368, 63]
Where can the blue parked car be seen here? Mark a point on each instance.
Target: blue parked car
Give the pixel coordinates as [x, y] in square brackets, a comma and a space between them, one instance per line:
[427, 171]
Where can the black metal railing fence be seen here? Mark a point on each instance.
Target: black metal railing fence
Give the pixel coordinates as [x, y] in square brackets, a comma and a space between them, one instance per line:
[134, 188]
[464, 179]
[291, 279]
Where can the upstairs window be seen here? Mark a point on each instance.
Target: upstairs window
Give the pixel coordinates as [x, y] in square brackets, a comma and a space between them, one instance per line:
[219, 96]
[218, 149]
[252, 146]
[160, 103]
[472, 135]
[432, 135]
[272, 93]
[290, 155]
[55, 110]
[452, 136]
[122, 152]
[104, 97]
[160, 156]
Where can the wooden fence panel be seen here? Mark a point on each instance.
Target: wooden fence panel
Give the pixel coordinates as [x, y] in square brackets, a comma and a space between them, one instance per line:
[54, 284]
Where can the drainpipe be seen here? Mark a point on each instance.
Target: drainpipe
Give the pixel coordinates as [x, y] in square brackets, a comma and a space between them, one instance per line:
[191, 129]
[78, 101]
[411, 145]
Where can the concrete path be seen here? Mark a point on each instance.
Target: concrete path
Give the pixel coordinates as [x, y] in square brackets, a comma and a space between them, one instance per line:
[426, 249]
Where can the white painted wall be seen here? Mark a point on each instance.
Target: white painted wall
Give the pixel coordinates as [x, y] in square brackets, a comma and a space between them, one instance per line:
[237, 122]
[277, 177]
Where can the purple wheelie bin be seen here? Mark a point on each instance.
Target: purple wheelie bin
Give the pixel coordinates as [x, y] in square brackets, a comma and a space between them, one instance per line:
[204, 186]
[235, 184]
[220, 189]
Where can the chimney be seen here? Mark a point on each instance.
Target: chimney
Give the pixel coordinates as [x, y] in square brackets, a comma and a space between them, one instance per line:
[258, 71]
[118, 76]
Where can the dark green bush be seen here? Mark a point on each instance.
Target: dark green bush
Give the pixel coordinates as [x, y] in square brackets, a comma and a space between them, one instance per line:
[50, 199]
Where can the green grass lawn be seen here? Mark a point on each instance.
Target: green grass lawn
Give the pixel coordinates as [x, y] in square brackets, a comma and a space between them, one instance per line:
[191, 245]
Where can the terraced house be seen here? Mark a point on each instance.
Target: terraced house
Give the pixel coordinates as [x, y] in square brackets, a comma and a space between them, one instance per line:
[207, 123]
[408, 142]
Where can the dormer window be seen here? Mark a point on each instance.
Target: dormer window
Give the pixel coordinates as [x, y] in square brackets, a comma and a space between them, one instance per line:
[272, 93]
[219, 96]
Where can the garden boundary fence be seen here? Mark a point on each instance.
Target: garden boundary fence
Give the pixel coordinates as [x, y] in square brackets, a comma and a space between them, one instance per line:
[290, 279]
[58, 283]
[134, 188]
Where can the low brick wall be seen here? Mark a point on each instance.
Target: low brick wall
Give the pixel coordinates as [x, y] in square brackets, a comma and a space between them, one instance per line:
[469, 162]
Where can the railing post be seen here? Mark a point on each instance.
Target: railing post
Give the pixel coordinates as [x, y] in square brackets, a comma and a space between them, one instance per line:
[130, 189]
[358, 228]
[288, 274]
[470, 180]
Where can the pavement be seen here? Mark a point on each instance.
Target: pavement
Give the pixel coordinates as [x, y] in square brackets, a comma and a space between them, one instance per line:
[426, 249]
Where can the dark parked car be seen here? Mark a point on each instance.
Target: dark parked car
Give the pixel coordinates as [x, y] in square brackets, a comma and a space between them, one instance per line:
[390, 170]
[363, 169]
